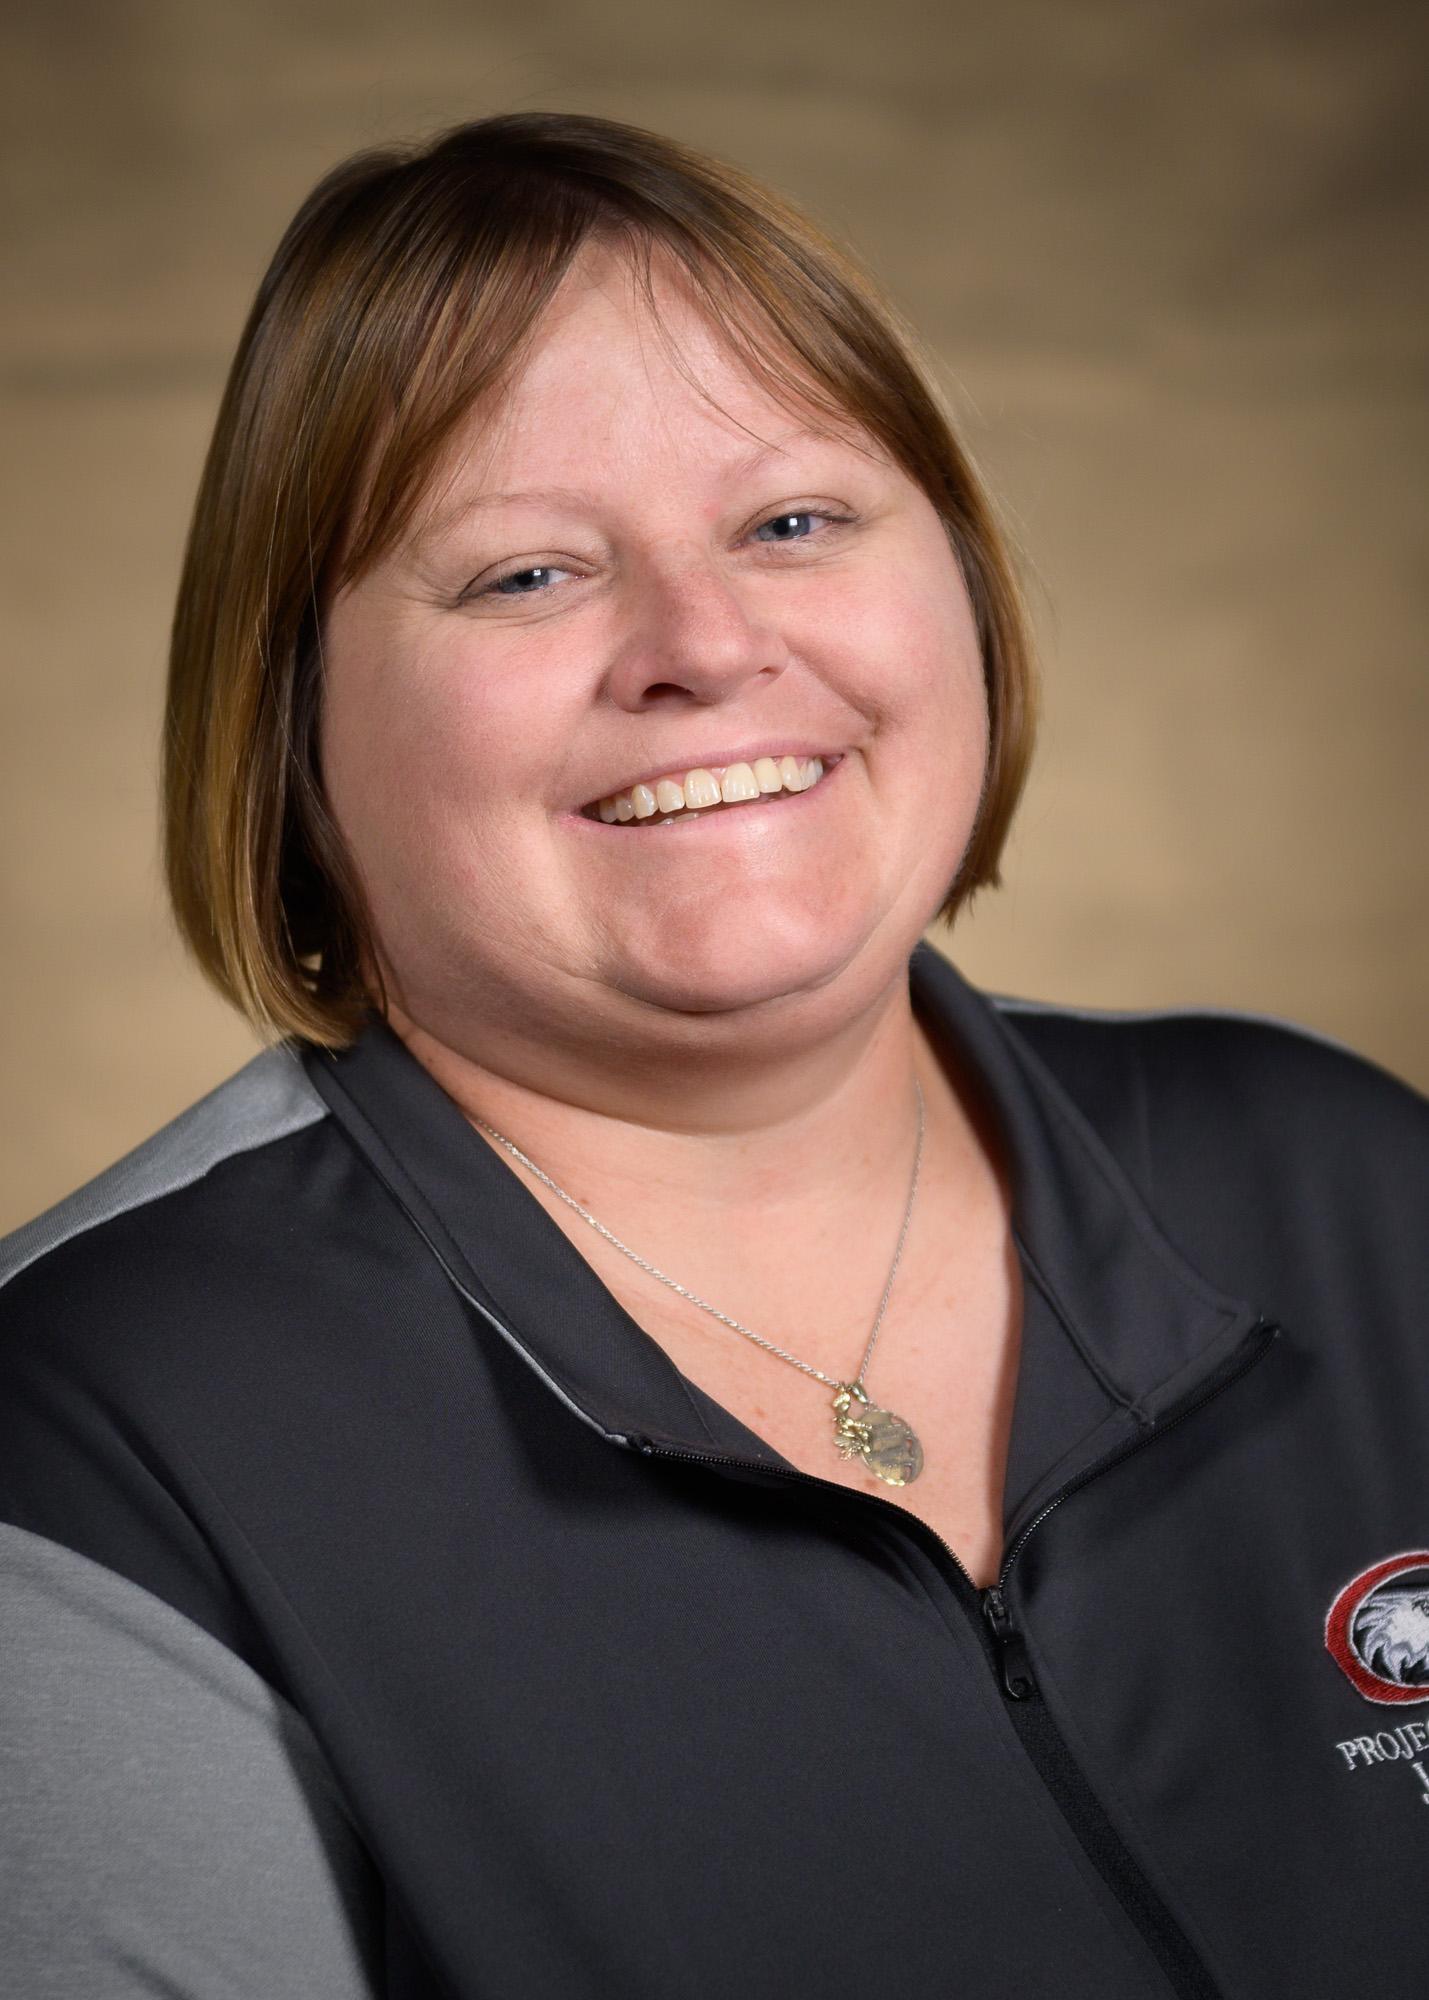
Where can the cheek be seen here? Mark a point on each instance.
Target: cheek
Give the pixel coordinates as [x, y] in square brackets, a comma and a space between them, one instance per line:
[422, 783]
[423, 751]
[933, 748]
[377, 744]
[912, 662]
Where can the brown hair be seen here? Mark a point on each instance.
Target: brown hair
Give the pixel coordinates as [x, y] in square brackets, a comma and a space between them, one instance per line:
[402, 292]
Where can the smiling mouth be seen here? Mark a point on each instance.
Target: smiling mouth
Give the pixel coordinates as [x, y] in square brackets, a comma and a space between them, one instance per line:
[701, 790]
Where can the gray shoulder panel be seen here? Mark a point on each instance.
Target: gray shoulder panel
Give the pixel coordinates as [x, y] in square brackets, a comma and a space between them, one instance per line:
[268, 1098]
[168, 1823]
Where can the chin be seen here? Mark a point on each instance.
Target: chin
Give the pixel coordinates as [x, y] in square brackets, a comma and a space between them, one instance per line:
[738, 968]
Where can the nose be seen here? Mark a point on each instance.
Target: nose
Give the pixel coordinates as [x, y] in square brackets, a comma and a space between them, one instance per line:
[692, 639]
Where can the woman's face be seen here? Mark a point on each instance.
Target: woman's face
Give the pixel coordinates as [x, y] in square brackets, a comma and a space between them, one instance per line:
[638, 567]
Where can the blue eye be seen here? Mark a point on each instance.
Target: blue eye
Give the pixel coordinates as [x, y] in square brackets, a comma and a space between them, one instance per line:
[786, 528]
[524, 581]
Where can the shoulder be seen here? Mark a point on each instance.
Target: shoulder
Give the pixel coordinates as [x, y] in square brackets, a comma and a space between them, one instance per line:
[227, 1222]
[268, 1100]
[141, 1310]
[1262, 1148]
[227, 1265]
[1241, 1077]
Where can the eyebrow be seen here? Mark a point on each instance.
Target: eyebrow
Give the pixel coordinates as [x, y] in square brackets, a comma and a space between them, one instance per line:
[476, 503]
[572, 496]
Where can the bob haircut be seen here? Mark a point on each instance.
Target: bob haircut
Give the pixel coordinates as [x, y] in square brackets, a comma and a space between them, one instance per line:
[402, 294]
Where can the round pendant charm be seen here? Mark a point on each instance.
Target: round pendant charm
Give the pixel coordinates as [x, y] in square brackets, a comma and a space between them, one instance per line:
[892, 1453]
[888, 1446]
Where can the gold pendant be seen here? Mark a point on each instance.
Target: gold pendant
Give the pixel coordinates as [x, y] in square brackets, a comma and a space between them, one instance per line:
[888, 1447]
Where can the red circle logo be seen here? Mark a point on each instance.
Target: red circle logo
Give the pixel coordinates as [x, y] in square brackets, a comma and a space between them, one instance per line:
[1377, 1632]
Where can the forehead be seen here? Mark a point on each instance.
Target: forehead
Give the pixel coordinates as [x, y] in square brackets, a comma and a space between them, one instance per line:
[621, 375]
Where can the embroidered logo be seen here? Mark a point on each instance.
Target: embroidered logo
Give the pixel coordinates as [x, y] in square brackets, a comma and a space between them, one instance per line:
[1377, 1632]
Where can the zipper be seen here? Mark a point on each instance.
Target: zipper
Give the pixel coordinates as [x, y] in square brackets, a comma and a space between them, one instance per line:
[1010, 1647]
[1043, 1742]
[1014, 1665]
[1047, 1749]
[1045, 1746]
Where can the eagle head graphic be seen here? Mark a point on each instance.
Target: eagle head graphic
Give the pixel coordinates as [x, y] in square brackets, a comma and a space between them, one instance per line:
[1390, 1632]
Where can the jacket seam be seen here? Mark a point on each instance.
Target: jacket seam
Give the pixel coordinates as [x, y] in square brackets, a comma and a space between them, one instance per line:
[1094, 1365]
[285, 1128]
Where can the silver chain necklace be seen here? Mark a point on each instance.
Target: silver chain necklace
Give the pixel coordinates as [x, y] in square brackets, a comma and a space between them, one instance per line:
[887, 1445]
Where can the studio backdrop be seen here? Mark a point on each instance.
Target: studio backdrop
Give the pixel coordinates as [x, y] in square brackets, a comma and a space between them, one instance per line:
[1167, 256]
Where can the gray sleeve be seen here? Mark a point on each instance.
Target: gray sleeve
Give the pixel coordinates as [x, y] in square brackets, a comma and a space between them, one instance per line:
[168, 1825]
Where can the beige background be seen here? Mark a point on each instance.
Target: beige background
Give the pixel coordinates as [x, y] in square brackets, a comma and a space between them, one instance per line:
[1171, 252]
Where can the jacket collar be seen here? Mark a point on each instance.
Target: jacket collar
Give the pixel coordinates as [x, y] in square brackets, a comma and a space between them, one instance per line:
[1153, 1331]
[1150, 1326]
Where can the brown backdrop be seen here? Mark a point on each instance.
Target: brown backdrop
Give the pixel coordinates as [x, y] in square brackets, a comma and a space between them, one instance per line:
[1171, 253]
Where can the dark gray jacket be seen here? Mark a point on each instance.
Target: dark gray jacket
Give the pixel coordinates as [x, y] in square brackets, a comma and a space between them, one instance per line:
[622, 1705]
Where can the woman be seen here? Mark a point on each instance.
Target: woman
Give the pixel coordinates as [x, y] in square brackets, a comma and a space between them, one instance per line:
[643, 1448]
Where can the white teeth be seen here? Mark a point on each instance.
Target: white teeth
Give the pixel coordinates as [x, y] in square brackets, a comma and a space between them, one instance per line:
[738, 782]
[700, 789]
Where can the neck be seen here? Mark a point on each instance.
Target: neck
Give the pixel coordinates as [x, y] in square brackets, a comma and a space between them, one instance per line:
[838, 1111]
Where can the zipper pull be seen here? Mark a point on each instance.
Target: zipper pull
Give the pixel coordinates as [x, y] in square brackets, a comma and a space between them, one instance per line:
[1017, 1681]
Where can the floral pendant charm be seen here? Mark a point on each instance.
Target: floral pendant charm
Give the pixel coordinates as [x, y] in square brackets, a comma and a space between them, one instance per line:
[888, 1447]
